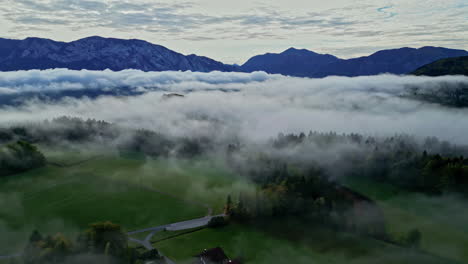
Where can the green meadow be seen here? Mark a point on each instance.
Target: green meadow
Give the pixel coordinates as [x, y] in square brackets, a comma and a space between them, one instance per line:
[93, 187]
[441, 219]
[78, 188]
[290, 243]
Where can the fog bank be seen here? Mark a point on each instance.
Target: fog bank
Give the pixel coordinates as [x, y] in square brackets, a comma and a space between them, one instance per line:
[253, 106]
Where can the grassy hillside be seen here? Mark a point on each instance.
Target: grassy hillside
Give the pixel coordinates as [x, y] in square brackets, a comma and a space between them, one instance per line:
[450, 66]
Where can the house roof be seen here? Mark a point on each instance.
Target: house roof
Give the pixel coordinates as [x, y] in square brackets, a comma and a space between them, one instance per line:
[216, 255]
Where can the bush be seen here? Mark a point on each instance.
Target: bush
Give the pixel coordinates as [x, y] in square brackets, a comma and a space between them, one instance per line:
[412, 239]
[217, 221]
[18, 157]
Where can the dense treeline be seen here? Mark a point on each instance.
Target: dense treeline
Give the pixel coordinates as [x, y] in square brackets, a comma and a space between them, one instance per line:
[308, 195]
[430, 166]
[18, 157]
[431, 174]
[71, 130]
[61, 130]
[299, 176]
[101, 243]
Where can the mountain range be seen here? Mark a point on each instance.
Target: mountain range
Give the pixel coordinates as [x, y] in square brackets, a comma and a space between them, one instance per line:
[97, 53]
[305, 63]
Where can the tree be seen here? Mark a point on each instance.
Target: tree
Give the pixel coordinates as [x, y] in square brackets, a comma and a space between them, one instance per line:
[18, 157]
[46, 250]
[413, 239]
[151, 255]
[35, 237]
[217, 221]
[228, 207]
[107, 236]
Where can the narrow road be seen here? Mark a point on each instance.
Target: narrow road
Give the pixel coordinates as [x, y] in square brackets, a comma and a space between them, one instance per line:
[184, 225]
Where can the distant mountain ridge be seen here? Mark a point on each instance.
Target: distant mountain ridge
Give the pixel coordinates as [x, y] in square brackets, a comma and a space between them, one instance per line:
[395, 61]
[294, 62]
[98, 53]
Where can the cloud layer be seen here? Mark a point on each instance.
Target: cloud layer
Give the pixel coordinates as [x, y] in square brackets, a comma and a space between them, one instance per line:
[254, 106]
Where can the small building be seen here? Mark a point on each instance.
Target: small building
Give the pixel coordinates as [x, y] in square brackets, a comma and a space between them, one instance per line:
[214, 256]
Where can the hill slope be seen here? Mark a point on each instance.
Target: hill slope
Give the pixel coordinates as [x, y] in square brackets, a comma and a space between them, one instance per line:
[97, 53]
[450, 66]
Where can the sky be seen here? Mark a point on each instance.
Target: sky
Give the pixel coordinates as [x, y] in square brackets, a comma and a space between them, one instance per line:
[233, 31]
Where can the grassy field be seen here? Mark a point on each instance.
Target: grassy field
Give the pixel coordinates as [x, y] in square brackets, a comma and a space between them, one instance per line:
[441, 219]
[139, 193]
[132, 192]
[289, 244]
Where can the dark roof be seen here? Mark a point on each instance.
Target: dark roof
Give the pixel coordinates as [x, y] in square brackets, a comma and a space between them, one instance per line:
[214, 255]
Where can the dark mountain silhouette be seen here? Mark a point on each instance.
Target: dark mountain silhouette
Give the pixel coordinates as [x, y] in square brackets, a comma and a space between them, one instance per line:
[97, 53]
[306, 63]
[450, 66]
[294, 62]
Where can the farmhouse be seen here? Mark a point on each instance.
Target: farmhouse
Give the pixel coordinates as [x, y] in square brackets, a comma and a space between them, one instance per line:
[214, 256]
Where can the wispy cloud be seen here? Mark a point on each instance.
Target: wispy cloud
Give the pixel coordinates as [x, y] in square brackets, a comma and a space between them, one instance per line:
[235, 30]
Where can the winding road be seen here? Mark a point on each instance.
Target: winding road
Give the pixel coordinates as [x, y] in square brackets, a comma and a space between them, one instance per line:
[184, 225]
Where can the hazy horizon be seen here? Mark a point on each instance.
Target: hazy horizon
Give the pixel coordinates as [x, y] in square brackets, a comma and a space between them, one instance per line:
[234, 32]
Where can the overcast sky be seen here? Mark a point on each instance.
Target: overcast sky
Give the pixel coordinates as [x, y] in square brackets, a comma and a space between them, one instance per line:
[233, 31]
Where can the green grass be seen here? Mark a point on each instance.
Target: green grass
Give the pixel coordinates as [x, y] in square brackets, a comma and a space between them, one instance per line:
[66, 199]
[54, 199]
[289, 244]
[441, 219]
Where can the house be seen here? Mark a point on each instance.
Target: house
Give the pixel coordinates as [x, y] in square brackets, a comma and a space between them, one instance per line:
[214, 256]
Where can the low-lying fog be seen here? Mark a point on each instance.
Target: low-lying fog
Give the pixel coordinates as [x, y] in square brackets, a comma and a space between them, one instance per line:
[250, 105]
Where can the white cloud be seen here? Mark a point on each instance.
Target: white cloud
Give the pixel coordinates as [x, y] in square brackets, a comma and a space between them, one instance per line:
[258, 105]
